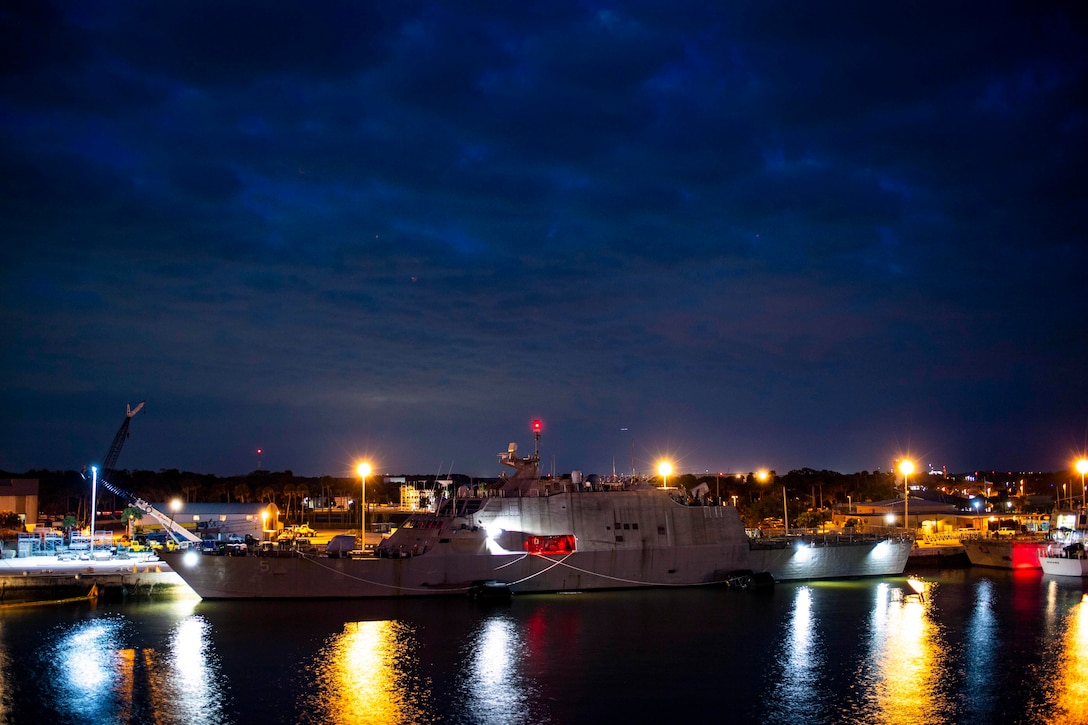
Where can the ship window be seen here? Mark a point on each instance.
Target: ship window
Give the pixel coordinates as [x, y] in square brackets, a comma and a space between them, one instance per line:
[619, 537]
[634, 526]
[627, 526]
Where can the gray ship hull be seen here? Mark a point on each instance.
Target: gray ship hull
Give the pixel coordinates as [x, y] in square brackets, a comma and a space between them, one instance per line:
[565, 541]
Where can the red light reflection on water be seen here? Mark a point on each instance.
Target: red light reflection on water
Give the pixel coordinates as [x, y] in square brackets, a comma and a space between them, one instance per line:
[1025, 556]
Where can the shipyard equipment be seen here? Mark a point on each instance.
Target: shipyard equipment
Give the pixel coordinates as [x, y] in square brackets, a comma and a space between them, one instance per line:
[179, 532]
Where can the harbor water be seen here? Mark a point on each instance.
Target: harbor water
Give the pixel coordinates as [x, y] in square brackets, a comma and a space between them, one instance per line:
[981, 646]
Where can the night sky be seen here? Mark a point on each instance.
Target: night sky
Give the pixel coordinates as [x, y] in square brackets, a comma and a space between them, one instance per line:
[740, 235]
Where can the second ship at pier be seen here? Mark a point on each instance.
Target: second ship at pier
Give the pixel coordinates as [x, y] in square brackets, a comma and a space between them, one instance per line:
[533, 534]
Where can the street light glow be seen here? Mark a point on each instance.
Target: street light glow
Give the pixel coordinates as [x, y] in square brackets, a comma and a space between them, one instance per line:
[906, 467]
[364, 470]
[1082, 468]
[664, 469]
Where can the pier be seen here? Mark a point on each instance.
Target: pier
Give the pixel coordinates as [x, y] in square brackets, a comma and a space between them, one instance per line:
[51, 577]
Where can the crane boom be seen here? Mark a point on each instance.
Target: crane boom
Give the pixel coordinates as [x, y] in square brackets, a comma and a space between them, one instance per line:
[177, 530]
[119, 440]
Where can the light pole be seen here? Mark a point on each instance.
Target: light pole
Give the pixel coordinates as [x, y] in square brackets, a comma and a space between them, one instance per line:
[1082, 468]
[364, 470]
[664, 468]
[175, 504]
[906, 467]
[94, 503]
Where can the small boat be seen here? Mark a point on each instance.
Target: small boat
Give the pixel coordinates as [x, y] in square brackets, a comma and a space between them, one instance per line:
[1066, 554]
[490, 590]
[759, 581]
[1066, 561]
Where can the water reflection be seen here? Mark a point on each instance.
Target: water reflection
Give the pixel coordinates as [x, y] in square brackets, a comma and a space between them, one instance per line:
[1072, 696]
[982, 638]
[1065, 687]
[93, 680]
[6, 679]
[905, 660]
[794, 696]
[495, 690]
[186, 687]
[96, 677]
[366, 674]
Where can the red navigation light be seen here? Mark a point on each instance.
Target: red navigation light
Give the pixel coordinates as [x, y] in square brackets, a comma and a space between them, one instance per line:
[536, 426]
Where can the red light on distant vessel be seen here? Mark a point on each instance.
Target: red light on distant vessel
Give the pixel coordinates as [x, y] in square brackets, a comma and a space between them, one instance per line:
[536, 426]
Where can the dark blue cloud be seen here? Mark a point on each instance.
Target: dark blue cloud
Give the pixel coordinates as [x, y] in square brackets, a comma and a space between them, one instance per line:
[758, 234]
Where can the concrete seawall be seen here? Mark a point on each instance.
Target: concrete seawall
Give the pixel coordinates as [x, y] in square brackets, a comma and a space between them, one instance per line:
[48, 577]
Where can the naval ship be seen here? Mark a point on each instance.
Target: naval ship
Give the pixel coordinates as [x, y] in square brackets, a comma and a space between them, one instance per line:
[539, 534]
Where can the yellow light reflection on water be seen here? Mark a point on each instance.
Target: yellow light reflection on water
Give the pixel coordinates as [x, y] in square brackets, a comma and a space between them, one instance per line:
[364, 675]
[5, 678]
[907, 661]
[1071, 684]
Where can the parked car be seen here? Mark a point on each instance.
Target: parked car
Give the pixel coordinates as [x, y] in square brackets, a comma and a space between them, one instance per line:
[340, 546]
[236, 546]
[213, 547]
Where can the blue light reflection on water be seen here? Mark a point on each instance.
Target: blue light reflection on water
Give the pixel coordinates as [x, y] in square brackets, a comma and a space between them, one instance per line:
[88, 671]
[981, 648]
[982, 638]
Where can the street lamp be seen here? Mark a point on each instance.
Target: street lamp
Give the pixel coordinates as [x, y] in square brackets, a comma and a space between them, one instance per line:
[94, 503]
[175, 504]
[664, 468]
[906, 467]
[1082, 468]
[364, 470]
